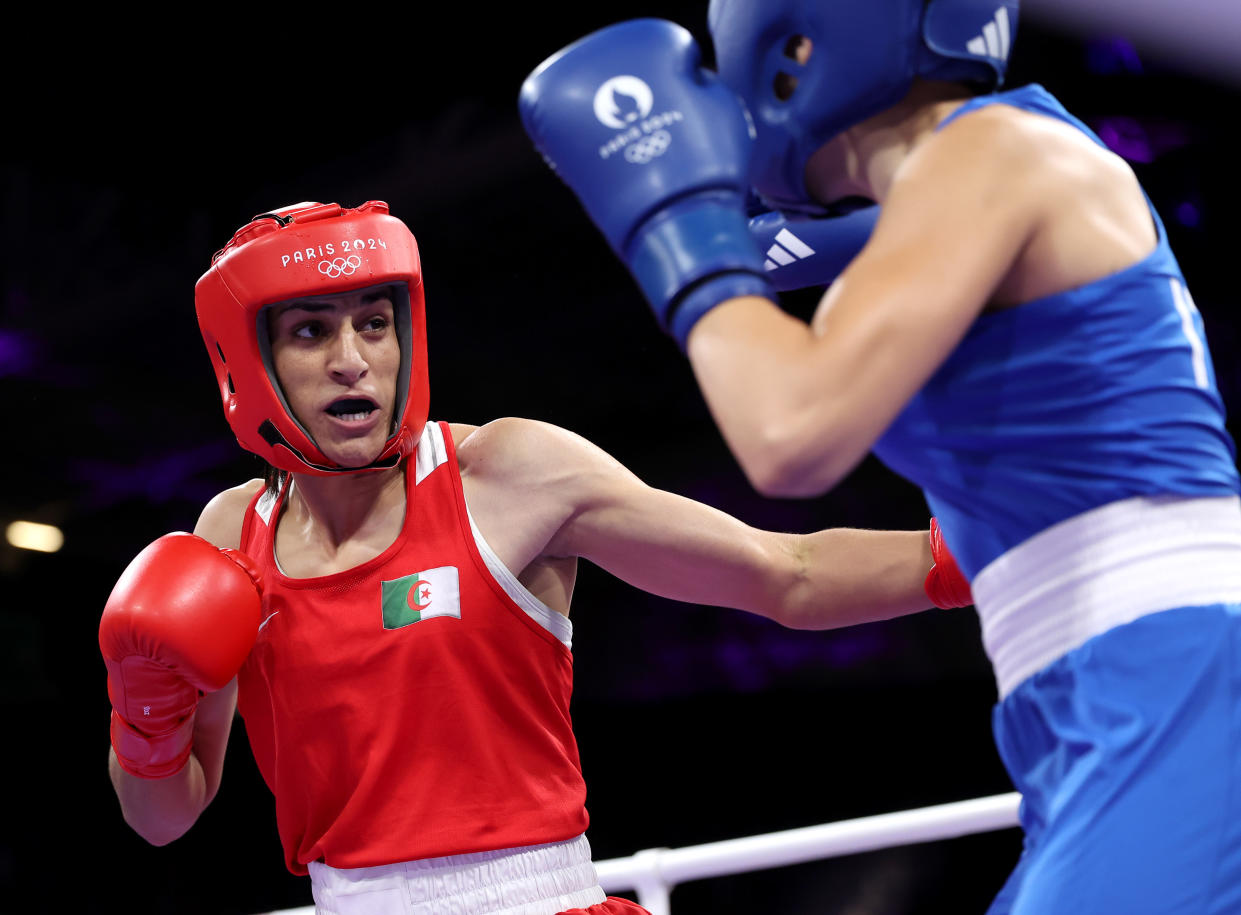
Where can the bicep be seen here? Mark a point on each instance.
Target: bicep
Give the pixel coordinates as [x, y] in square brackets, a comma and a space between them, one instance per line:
[578, 501]
[674, 547]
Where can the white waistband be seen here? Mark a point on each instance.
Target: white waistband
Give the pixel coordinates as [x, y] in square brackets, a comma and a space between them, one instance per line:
[535, 880]
[1101, 569]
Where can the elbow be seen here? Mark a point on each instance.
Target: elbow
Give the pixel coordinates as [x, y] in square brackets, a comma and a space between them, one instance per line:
[801, 612]
[791, 596]
[780, 483]
[159, 833]
[784, 466]
[160, 840]
[788, 617]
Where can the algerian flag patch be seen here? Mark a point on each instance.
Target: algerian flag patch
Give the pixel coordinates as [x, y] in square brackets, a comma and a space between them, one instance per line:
[421, 596]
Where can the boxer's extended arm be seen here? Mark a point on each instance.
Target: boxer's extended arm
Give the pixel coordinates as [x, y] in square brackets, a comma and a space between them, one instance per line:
[575, 500]
[681, 549]
[163, 808]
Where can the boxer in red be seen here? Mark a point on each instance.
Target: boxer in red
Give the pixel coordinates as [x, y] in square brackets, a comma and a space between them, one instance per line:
[389, 609]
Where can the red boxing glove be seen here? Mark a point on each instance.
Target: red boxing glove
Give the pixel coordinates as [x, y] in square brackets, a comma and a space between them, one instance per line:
[945, 585]
[179, 622]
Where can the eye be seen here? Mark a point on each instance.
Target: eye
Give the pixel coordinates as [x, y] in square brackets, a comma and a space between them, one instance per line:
[797, 49]
[783, 86]
[376, 323]
[307, 330]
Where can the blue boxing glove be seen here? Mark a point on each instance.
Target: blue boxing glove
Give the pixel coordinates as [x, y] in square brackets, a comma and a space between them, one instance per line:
[801, 252]
[657, 150]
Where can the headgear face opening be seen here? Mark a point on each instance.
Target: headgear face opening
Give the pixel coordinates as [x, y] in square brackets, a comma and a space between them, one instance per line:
[304, 250]
[863, 58]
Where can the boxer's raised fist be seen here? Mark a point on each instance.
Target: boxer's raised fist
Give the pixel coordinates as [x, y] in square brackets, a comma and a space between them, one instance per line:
[803, 252]
[179, 622]
[657, 150]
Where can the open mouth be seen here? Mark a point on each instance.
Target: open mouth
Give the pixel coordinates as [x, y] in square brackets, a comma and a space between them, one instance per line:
[352, 409]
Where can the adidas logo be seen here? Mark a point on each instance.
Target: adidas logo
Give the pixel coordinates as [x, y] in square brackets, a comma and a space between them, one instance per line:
[787, 249]
[995, 38]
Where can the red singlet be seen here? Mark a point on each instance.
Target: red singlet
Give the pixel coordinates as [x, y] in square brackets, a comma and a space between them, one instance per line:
[414, 706]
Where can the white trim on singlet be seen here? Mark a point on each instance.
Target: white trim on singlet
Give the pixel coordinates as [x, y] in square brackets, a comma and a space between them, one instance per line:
[1102, 569]
[267, 502]
[263, 508]
[557, 624]
[431, 451]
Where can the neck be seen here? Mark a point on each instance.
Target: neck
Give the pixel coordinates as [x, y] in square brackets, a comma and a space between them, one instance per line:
[337, 508]
[864, 160]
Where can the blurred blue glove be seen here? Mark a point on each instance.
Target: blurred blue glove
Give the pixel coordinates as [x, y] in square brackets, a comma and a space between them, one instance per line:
[803, 251]
[657, 151]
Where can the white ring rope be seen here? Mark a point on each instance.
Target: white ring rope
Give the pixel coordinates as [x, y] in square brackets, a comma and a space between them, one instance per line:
[653, 872]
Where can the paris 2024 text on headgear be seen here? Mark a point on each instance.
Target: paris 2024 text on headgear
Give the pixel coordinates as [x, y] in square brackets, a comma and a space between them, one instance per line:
[299, 251]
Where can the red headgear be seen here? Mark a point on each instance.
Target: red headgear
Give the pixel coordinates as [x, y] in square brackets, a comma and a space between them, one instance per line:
[309, 249]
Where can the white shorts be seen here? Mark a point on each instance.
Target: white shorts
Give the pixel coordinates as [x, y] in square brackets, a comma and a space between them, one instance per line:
[534, 880]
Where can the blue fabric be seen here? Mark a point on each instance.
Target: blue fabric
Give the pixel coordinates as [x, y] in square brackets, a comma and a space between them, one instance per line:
[1127, 753]
[1066, 403]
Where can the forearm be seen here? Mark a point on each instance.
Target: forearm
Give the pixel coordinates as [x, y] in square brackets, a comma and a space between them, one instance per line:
[782, 411]
[842, 577]
[160, 809]
[680, 549]
[163, 809]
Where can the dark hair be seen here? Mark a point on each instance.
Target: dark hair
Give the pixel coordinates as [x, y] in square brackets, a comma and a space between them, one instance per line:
[273, 478]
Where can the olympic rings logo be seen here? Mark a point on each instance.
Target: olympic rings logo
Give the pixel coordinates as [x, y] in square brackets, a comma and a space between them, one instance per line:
[644, 150]
[342, 266]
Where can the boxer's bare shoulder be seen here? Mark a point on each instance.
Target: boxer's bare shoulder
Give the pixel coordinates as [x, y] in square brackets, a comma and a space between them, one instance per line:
[513, 451]
[221, 520]
[461, 432]
[527, 466]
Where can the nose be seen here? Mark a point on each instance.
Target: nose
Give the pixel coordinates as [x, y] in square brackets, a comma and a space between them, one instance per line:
[346, 361]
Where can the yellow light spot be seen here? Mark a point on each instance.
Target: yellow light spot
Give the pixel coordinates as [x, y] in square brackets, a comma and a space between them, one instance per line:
[27, 535]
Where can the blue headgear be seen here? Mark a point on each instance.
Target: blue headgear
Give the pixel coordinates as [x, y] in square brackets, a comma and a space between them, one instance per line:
[864, 56]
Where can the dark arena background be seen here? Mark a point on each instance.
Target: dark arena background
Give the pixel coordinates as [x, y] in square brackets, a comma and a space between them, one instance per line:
[136, 144]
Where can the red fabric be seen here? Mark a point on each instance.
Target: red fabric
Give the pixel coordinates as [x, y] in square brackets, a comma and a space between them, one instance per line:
[180, 620]
[444, 736]
[613, 905]
[945, 584]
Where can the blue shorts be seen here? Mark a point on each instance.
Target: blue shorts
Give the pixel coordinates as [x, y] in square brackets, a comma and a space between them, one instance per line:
[1127, 754]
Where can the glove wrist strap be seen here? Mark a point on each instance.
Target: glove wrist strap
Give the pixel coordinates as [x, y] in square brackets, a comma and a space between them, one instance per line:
[694, 240]
[945, 585]
[152, 756]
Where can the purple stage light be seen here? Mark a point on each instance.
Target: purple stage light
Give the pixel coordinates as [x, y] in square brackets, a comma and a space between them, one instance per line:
[1188, 215]
[1126, 137]
[1112, 54]
[17, 353]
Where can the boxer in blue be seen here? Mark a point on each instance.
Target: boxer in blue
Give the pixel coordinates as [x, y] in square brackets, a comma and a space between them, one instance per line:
[1014, 335]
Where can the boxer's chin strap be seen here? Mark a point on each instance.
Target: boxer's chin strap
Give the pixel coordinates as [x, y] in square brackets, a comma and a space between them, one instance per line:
[273, 437]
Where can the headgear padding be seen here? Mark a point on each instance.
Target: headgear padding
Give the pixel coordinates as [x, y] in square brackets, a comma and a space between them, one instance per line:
[864, 57]
[309, 249]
